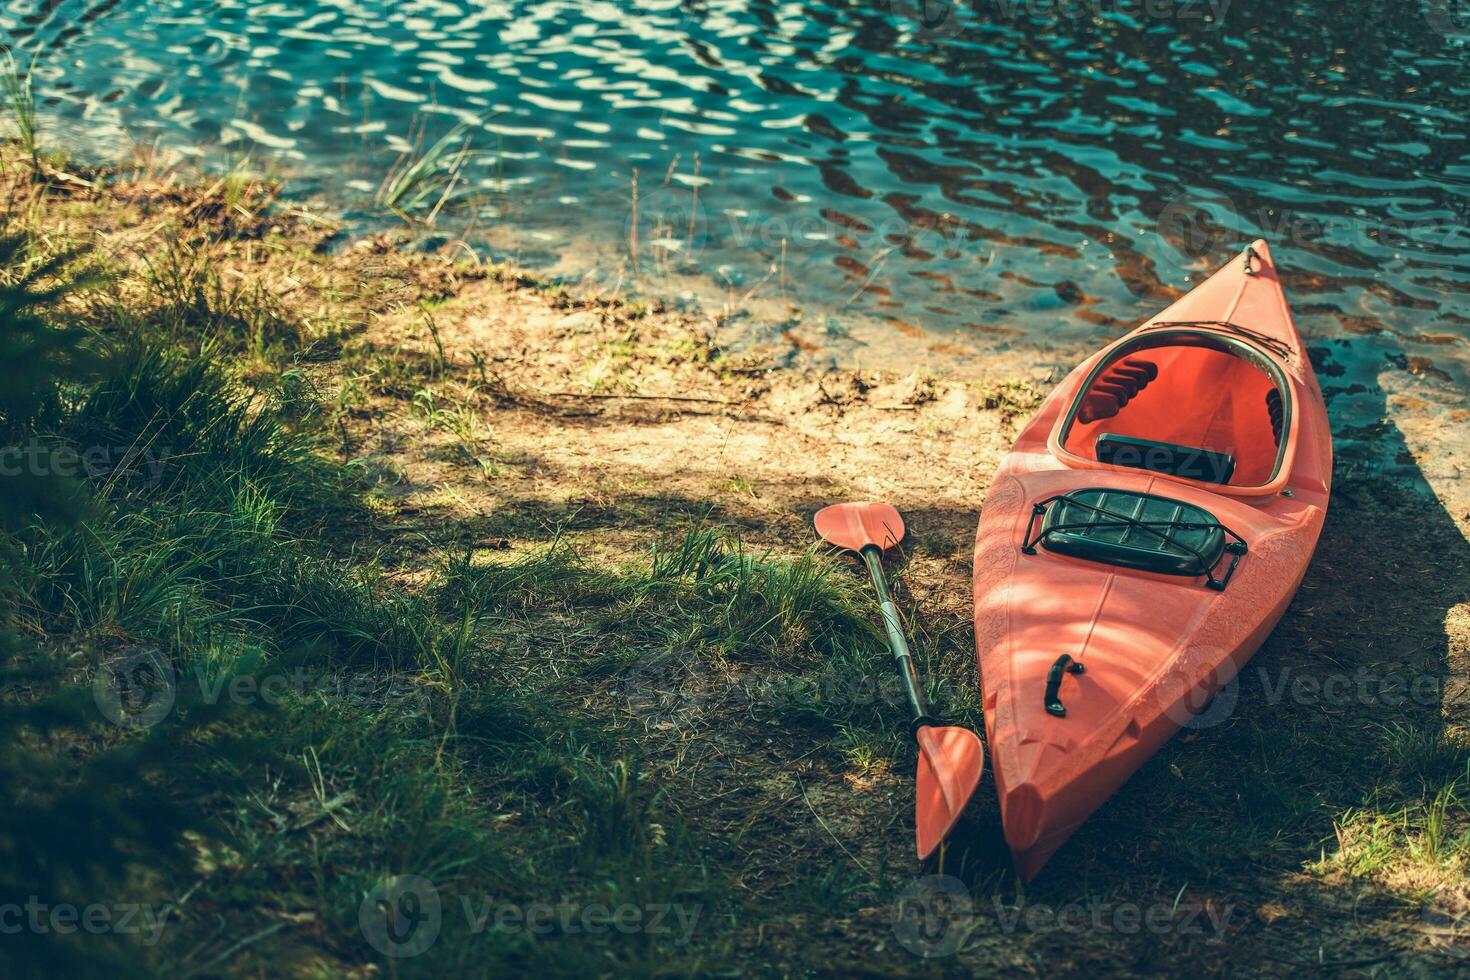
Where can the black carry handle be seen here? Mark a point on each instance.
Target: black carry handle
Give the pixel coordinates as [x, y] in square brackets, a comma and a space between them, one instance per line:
[1064, 665]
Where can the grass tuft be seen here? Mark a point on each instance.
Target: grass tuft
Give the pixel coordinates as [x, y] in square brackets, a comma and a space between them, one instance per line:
[423, 183]
[20, 96]
[756, 606]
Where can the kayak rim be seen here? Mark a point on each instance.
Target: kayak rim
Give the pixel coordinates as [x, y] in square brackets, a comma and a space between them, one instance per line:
[1165, 336]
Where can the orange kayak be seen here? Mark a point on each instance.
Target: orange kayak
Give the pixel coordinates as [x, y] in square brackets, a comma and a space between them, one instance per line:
[1139, 542]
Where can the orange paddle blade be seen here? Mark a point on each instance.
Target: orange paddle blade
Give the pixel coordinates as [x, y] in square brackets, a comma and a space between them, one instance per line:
[855, 526]
[950, 763]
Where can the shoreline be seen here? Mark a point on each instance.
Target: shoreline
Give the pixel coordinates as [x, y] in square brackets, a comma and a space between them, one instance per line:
[615, 508]
[1368, 381]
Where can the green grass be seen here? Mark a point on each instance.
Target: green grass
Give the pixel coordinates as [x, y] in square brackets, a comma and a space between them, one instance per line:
[1426, 755]
[202, 542]
[187, 297]
[555, 576]
[425, 181]
[20, 98]
[1414, 824]
[392, 743]
[755, 607]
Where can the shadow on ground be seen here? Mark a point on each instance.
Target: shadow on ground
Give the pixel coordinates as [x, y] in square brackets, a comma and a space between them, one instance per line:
[1277, 819]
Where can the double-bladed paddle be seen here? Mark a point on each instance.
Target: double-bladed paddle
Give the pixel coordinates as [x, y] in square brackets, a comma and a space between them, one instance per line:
[950, 758]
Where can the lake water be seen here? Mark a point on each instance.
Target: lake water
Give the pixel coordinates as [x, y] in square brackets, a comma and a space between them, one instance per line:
[919, 179]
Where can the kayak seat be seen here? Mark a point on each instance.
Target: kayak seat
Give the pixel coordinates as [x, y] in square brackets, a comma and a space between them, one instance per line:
[1165, 457]
[1135, 530]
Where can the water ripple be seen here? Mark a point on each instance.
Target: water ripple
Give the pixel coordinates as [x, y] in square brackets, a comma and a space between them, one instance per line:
[1006, 172]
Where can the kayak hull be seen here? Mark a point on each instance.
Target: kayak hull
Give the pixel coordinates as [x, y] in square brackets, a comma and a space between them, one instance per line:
[1156, 647]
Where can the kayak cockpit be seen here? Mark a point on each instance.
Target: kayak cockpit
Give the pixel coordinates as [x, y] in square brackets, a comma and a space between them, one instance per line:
[1196, 404]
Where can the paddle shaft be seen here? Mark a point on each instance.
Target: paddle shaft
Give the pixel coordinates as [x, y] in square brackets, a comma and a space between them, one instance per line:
[896, 642]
